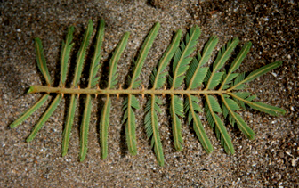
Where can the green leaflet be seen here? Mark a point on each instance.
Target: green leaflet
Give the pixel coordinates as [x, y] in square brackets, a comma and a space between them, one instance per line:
[114, 59]
[68, 125]
[195, 75]
[41, 62]
[232, 106]
[147, 44]
[73, 101]
[176, 110]
[180, 66]
[192, 107]
[81, 53]
[65, 55]
[241, 56]
[151, 126]
[158, 77]
[223, 55]
[130, 103]
[129, 117]
[85, 128]
[224, 85]
[181, 57]
[48, 113]
[215, 121]
[30, 111]
[257, 73]
[97, 56]
[104, 129]
[111, 84]
[272, 110]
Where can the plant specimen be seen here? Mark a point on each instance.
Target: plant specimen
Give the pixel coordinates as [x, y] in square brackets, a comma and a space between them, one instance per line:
[222, 90]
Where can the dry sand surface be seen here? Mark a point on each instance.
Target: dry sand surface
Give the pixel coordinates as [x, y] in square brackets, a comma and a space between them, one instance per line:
[271, 160]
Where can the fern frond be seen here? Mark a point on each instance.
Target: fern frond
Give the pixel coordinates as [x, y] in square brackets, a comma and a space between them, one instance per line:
[147, 44]
[48, 113]
[158, 77]
[93, 80]
[65, 55]
[184, 67]
[41, 62]
[152, 129]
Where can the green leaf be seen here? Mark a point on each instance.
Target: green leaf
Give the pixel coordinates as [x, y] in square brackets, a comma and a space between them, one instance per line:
[48, 113]
[214, 80]
[231, 106]
[129, 118]
[68, 125]
[104, 127]
[228, 80]
[176, 109]
[25, 115]
[272, 110]
[84, 129]
[214, 120]
[263, 70]
[257, 73]
[214, 103]
[152, 130]
[223, 55]
[241, 56]
[243, 126]
[207, 52]
[93, 80]
[81, 53]
[158, 76]
[181, 57]
[197, 125]
[195, 75]
[143, 54]
[114, 59]
[135, 102]
[41, 62]
[65, 55]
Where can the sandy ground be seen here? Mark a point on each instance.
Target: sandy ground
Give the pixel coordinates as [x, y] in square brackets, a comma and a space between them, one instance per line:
[271, 160]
